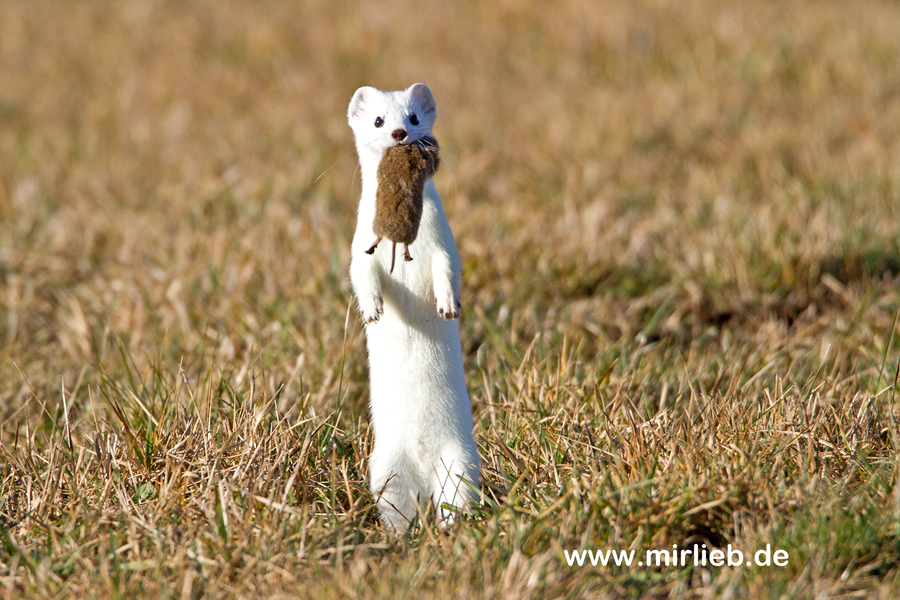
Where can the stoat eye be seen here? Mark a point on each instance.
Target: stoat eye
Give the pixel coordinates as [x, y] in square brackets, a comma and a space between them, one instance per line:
[379, 122]
[414, 119]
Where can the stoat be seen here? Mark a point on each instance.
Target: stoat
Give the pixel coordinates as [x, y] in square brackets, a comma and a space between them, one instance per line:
[420, 408]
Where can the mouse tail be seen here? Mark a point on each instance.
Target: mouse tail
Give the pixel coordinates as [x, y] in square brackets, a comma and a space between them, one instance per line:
[393, 256]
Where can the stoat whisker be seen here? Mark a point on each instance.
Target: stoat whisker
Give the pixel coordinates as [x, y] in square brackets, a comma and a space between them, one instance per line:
[316, 180]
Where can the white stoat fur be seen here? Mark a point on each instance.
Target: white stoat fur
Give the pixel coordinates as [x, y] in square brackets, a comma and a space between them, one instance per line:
[420, 408]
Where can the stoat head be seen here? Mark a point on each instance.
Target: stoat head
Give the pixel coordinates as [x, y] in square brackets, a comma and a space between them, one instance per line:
[383, 119]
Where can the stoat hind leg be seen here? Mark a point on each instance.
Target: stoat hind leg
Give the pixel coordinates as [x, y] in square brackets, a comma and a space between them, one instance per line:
[455, 483]
[393, 486]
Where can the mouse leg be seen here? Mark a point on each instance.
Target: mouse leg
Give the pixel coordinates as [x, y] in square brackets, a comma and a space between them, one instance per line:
[371, 249]
[406, 255]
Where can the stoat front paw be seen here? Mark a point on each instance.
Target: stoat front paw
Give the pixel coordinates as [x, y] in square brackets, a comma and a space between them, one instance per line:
[371, 309]
[449, 307]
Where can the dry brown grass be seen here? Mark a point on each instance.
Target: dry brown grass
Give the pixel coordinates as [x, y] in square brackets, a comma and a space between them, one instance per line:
[680, 226]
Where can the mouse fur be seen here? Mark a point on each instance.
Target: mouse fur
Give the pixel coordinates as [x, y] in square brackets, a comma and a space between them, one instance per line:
[402, 174]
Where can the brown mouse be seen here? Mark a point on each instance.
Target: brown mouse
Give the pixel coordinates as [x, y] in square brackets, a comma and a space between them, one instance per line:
[402, 174]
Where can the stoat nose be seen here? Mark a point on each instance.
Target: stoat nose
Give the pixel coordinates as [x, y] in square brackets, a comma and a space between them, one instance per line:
[399, 134]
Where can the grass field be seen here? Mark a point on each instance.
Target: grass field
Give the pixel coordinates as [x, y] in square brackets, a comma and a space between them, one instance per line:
[680, 229]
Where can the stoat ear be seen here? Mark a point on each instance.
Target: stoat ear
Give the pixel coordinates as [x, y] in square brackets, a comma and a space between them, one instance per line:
[420, 93]
[358, 102]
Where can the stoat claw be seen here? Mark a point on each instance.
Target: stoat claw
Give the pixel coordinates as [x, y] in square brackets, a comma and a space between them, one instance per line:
[448, 310]
[373, 311]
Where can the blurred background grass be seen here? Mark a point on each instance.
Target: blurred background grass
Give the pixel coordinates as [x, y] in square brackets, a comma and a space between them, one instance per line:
[178, 193]
[160, 160]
